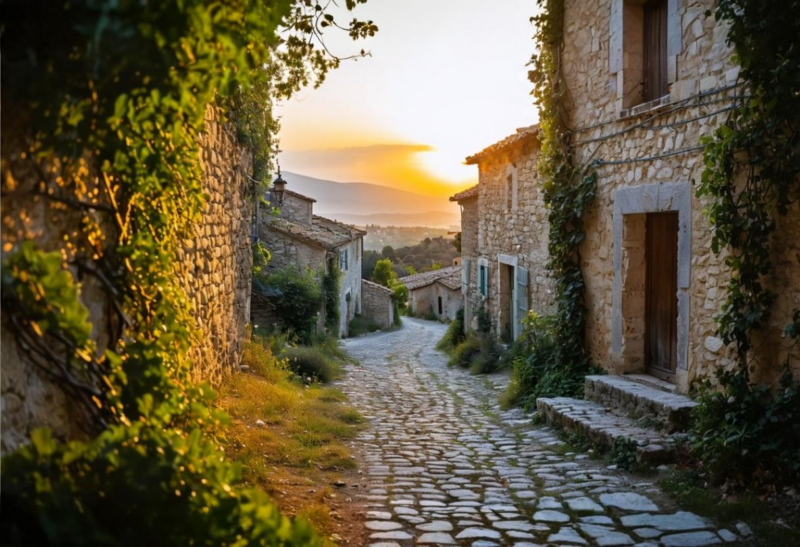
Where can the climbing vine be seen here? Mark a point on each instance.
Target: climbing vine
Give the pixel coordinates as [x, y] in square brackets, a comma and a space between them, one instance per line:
[746, 432]
[109, 100]
[331, 288]
[569, 189]
[752, 162]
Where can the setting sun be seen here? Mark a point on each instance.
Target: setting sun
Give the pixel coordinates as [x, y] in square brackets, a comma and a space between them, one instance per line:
[442, 84]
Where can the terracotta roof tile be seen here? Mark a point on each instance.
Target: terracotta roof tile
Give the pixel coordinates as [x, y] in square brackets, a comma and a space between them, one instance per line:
[522, 134]
[377, 286]
[424, 279]
[469, 193]
[322, 231]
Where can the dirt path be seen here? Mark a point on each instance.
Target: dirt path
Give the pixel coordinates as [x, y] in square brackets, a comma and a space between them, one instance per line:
[445, 465]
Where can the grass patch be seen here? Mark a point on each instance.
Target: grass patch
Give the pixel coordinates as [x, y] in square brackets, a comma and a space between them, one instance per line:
[770, 525]
[477, 352]
[312, 364]
[301, 448]
[361, 325]
[455, 334]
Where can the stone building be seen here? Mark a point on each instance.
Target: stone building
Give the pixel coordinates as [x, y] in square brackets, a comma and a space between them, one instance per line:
[504, 236]
[297, 237]
[377, 304]
[214, 266]
[437, 292]
[645, 81]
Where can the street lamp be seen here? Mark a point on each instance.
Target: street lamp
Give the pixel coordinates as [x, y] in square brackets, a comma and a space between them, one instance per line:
[279, 187]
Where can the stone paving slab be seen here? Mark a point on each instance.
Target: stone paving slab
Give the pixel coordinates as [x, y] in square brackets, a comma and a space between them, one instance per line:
[444, 465]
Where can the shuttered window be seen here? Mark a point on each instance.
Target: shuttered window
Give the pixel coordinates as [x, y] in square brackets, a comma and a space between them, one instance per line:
[655, 50]
[483, 280]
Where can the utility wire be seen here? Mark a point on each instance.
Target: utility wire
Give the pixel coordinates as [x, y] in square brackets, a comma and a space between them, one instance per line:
[602, 162]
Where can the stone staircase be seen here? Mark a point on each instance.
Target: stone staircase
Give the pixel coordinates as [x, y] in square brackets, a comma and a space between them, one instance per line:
[635, 408]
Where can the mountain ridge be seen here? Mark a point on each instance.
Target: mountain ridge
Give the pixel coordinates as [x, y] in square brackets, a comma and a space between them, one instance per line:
[364, 198]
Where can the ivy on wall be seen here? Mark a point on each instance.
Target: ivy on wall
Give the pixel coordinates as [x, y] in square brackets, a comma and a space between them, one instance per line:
[752, 161]
[569, 190]
[108, 101]
[331, 289]
[745, 432]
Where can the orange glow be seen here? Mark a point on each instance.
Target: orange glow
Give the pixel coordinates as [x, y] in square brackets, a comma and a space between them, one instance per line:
[445, 80]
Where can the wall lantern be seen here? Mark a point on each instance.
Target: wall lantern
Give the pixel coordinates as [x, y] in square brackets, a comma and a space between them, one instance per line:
[279, 187]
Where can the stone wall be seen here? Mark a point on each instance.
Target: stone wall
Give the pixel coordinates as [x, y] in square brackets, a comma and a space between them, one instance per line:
[350, 285]
[215, 269]
[469, 259]
[376, 304]
[287, 251]
[218, 262]
[420, 301]
[295, 207]
[452, 301]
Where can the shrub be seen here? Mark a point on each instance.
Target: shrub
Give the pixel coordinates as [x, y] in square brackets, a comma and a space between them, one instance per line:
[397, 312]
[299, 299]
[430, 315]
[361, 325]
[538, 371]
[488, 358]
[746, 434]
[455, 334]
[464, 352]
[142, 484]
[311, 363]
[484, 320]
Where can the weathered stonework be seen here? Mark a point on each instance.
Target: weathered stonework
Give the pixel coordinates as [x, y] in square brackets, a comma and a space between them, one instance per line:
[376, 304]
[437, 292]
[649, 157]
[297, 237]
[506, 226]
[214, 268]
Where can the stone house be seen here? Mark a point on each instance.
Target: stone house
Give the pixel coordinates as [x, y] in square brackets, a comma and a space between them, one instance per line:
[437, 292]
[504, 236]
[645, 81]
[377, 304]
[297, 237]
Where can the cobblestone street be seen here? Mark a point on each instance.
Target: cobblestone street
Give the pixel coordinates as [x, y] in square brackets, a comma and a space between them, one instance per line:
[445, 465]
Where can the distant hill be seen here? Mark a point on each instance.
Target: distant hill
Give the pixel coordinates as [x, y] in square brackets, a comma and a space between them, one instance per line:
[438, 219]
[361, 199]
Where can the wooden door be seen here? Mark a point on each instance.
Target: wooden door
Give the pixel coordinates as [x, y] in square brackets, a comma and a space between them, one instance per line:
[661, 302]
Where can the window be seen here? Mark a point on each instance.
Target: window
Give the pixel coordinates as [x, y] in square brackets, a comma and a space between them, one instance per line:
[440, 305]
[644, 45]
[655, 50]
[483, 280]
[511, 185]
[343, 260]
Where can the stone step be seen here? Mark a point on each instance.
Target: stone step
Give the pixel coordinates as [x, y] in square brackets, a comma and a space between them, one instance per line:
[604, 428]
[669, 411]
[652, 381]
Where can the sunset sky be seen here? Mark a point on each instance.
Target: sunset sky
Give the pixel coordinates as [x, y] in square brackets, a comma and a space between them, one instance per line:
[446, 78]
